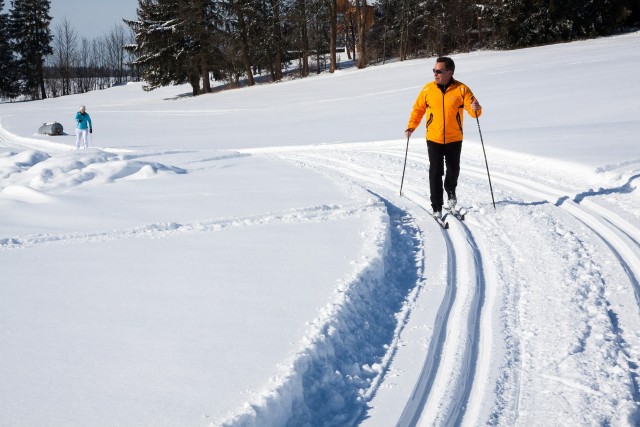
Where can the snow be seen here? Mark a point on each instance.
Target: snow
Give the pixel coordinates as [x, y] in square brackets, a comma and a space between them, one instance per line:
[244, 258]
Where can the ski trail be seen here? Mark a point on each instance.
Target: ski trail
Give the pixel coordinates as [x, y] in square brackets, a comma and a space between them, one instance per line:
[351, 346]
[608, 226]
[166, 229]
[414, 407]
[503, 390]
[459, 383]
[8, 140]
[473, 329]
[457, 327]
[618, 235]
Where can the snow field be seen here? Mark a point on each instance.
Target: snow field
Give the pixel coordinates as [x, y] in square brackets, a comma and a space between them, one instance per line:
[245, 258]
[617, 407]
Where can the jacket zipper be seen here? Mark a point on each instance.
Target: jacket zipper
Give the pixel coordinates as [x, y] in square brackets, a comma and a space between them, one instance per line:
[444, 120]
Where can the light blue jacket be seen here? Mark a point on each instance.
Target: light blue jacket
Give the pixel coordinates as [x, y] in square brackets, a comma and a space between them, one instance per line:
[83, 120]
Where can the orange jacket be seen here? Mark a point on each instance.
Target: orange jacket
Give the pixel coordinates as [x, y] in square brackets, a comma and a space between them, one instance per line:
[444, 111]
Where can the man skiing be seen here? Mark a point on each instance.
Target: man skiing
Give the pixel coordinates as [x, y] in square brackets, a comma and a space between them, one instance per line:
[83, 123]
[443, 101]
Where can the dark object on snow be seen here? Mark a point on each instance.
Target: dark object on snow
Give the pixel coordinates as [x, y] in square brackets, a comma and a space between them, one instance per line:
[54, 128]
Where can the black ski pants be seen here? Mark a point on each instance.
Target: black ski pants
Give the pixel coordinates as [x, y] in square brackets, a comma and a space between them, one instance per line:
[439, 155]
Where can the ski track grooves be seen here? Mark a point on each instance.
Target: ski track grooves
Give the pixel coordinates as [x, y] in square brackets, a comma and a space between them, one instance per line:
[165, 229]
[445, 386]
[473, 328]
[621, 237]
[459, 242]
[414, 407]
[301, 397]
[618, 234]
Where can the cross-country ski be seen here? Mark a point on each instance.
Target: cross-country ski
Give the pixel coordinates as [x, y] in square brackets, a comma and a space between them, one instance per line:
[457, 213]
[441, 220]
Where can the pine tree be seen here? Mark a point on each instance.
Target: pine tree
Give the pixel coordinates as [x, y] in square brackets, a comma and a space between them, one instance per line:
[240, 24]
[29, 29]
[266, 36]
[175, 42]
[202, 25]
[159, 45]
[8, 80]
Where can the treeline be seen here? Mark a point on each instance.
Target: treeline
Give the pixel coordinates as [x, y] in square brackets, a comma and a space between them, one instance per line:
[178, 41]
[409, 28]
[195, 41]
[37, 62]
[78, 65]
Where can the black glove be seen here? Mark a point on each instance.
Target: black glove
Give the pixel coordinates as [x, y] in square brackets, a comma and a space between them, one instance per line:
[91, 130]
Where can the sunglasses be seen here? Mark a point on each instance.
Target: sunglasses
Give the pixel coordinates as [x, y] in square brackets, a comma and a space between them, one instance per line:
[439, 71]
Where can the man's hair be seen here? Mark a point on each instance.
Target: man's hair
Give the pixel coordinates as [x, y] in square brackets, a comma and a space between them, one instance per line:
[448, 62]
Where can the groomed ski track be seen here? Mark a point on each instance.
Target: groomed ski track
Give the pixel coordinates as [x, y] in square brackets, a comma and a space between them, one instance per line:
[476, 364]
[484, 357]
[450, 363]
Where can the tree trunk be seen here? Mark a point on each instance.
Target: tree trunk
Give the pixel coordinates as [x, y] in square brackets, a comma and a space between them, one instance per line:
[361, 19]
[333, 36]
[404, 33]
[194, 81]
[304, 33]
[206, 84]
[246, 62]
[351, 29]
[277, 35]
[384, 34]
[43, 90]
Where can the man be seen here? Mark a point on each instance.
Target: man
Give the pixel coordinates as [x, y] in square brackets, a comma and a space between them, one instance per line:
[443, 101]
[83, 123]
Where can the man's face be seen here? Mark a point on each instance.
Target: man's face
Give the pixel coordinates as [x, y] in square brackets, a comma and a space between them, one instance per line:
[441, 75]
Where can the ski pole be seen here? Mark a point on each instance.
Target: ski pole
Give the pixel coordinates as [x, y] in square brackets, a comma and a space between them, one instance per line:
[486, 163]
[405, 164]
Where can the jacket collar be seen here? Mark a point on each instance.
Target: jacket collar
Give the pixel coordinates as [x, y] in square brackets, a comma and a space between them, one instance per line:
[444, 88]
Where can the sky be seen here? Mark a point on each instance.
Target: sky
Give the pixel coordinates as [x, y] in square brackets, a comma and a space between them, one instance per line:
[90, 18]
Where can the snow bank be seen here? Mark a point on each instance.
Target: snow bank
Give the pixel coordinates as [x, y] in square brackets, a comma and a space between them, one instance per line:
[40, 172]
[347, 348]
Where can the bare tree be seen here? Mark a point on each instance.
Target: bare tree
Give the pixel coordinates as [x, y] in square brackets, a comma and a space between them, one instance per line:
[65, 49]
[85, 75]
[114, 43]
[99, 60]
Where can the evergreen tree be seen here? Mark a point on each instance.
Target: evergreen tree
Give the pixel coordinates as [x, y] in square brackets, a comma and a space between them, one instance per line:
[8, 80]
[262, 31]
[155, 44]
[29, 29]
[175, 42]
[266, 36]
[240, 26]
[520, 23]
[202, 24]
